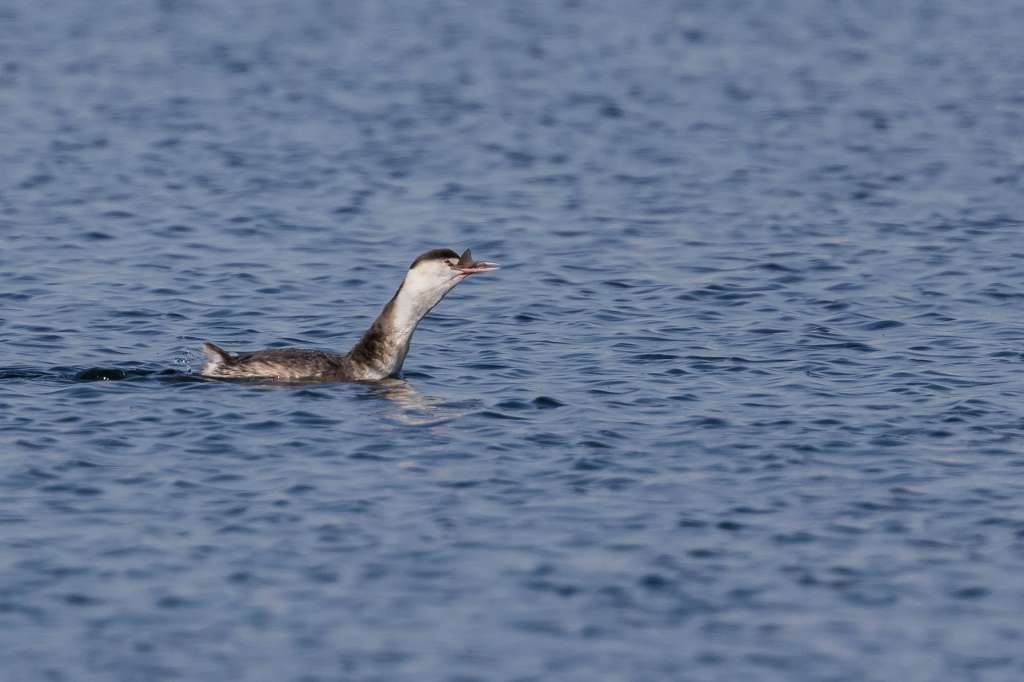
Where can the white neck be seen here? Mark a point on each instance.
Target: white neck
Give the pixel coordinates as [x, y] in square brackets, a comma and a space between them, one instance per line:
[383, 348]
[416, 298]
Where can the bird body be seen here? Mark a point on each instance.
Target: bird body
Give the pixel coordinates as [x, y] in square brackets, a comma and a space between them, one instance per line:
[381, 351]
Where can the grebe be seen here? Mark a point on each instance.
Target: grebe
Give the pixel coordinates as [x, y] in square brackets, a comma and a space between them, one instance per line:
[381, 351]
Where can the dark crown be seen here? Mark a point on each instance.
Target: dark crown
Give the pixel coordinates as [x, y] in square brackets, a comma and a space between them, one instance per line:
[434, 254]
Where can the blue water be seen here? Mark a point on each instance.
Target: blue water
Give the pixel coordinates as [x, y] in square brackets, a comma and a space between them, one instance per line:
[746, 401]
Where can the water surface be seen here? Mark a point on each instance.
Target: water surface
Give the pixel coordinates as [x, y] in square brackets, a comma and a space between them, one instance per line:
[745, 401]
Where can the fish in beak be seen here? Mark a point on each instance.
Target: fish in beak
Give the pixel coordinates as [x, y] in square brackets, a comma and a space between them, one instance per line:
[469, 266]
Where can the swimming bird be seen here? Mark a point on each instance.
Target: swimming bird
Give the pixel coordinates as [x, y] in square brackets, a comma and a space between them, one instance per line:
[380, 352]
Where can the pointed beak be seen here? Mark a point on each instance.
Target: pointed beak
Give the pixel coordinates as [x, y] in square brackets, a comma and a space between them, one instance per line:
[469, 266]
[478, 266]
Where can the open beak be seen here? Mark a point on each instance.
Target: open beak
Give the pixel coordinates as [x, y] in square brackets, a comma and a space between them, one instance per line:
[469, 266]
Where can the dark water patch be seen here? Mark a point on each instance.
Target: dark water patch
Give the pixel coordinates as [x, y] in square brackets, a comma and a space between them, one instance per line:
[513, 405]
[309, 419]
[494, 414]
[70, 374]
[653, 357]
[118, 374]
[882, 325]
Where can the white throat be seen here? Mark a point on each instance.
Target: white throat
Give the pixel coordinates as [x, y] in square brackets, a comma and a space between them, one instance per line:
[419, 293]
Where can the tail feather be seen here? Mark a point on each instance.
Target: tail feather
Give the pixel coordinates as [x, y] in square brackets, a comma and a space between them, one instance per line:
[216, 356]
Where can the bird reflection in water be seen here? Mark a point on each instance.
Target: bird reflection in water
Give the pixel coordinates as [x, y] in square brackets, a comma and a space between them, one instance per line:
[413, 407]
